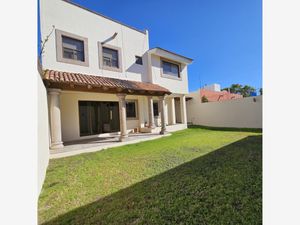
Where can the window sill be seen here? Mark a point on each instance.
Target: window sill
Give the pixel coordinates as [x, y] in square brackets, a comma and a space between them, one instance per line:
[111, 69]
[171, 77]
[74, 62]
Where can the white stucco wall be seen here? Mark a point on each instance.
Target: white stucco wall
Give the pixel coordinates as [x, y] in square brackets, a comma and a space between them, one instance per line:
[73, 19]
[241, 113]
[70, 112]
[43, 133]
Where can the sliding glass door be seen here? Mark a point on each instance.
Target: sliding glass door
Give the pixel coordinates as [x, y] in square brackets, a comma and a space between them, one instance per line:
[98, 117]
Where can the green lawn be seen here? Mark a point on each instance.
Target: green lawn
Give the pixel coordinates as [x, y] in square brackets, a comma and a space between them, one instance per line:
[195, 176]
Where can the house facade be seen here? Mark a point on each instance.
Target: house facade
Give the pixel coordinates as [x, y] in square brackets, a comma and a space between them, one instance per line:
[103, 79]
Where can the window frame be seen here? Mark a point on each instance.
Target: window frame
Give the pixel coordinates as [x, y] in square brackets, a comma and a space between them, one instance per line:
[100, 56]
[97, 104]
[59, 48]
[179, 77]
[136, 109]
[137, 58]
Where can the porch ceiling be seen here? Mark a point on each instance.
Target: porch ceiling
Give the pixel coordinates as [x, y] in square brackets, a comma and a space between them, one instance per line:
[92, 83]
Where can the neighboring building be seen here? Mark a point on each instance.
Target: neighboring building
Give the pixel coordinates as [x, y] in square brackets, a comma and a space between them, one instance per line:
[213, 93]
[213, 87]
[218, 96]
[102, 77]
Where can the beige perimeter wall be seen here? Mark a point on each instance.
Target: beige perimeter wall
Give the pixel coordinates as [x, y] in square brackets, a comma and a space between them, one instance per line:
[43, 133]
[241, 113]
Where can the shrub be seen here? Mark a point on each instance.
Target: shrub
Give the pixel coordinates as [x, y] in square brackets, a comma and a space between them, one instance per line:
[204, 99]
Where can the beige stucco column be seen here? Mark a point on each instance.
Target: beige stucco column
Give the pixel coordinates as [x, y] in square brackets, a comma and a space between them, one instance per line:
[183, 109]
[150, 112]
[122, 113]
[55, 120]
[162, 110]
[172, 110]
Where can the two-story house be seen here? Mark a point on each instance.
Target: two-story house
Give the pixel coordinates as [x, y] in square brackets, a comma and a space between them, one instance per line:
[102, 78]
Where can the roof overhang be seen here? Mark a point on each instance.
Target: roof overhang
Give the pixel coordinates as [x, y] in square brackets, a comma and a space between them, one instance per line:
[170, 55]
[91, 83]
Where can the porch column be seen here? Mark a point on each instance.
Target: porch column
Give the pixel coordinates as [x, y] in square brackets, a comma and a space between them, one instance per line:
[150, 112]
[162, 111]
[55, 121]
[122, 113]
[172, 109]
[183, 109]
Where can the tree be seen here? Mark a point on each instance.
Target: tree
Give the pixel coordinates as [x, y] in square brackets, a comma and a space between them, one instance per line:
[43, 42]
[246, 90]
[234, 88]
[240, 89]
[204, 99]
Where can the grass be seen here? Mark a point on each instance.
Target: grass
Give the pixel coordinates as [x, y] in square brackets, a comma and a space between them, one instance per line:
[195, 176]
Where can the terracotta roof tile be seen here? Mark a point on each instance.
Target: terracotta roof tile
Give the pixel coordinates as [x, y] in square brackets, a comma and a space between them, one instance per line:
[215, 96]
[59, 77]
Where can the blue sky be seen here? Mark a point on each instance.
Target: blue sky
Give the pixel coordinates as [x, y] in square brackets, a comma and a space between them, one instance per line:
[223, 37]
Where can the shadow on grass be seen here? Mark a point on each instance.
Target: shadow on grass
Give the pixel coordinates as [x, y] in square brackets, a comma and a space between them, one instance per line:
[253, 130]
[222, 187]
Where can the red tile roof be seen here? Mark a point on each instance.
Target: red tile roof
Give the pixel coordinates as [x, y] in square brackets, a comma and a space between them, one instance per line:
[215, 96]
[67, 80]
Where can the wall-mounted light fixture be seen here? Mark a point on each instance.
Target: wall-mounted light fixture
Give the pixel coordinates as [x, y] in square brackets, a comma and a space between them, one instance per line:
[109, 39]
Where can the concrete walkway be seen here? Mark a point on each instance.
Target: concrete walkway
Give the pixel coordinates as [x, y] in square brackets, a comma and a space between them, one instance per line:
[98, 144]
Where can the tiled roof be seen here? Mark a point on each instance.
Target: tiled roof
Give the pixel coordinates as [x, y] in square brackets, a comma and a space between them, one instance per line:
[215, 96]
[64, 80]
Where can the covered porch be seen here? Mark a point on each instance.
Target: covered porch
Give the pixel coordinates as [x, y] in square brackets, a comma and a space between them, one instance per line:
[73, 128]
[100, 143]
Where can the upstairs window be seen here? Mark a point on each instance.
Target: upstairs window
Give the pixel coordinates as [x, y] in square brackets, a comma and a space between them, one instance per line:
[131, 109]
[170, 69]
[72, 48]
[110, 57]
[139, 60]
